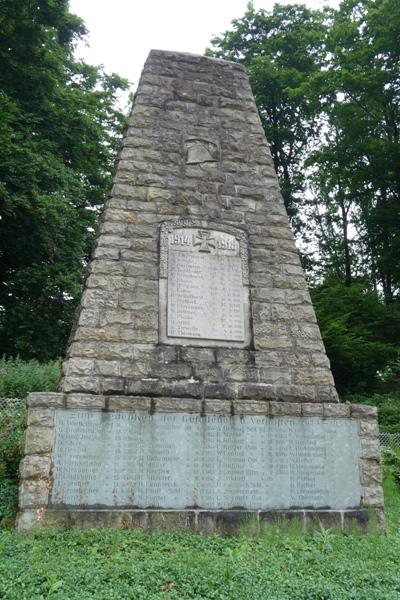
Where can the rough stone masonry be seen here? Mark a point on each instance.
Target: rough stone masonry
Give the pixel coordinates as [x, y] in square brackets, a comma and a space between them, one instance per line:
[195, 303]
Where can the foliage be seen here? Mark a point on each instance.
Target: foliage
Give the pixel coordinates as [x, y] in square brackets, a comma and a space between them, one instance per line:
[59, 129]
[19, 377]
[107, 564]
[358, 331]
[11, 432]
[391, 462]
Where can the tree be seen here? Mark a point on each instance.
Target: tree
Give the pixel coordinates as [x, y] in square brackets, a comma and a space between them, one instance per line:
[282, 50]
[358, 161]
[359, 334]
[59, 128]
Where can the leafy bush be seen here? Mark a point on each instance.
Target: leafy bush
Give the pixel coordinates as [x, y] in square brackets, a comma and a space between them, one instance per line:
[391, 463]
[11, 431]
[19, 377]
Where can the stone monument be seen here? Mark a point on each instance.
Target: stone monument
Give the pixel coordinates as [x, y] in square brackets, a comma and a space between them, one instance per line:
[196, 390]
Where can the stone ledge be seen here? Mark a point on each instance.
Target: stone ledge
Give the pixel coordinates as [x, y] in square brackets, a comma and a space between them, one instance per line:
[185, 388]
[46, 399]
[42, 408]
[202, 521]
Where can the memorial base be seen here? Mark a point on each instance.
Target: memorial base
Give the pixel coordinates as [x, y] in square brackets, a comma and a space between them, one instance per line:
[205, 465]
[203, 521]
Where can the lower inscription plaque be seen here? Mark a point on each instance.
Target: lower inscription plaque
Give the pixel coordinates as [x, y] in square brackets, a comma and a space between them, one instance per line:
[178, 460]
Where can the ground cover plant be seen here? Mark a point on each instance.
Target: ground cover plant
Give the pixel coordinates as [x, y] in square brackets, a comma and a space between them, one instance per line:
[276, 564]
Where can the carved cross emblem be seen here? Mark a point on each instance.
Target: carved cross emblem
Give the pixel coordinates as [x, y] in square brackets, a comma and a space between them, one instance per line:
[204, 240]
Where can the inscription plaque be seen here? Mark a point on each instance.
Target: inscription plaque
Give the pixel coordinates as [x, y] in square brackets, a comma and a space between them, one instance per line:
[204, 297]
[178, 460]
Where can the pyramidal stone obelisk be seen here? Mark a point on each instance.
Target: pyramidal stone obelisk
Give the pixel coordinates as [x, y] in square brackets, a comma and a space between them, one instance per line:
[196, 389]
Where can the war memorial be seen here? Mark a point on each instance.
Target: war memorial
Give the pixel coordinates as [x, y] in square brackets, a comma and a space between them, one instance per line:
[196, 391]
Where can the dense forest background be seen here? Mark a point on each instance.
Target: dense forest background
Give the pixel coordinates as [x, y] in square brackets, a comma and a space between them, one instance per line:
[327, 86]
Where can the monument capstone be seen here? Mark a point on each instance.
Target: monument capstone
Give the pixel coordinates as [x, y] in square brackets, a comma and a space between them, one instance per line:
[196, 390]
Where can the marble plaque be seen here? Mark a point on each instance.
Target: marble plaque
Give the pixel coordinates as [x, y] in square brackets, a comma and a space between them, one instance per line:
[178, 460]
[204, 298]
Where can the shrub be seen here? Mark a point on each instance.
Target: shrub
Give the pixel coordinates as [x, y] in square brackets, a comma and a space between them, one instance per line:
[11, 431]
[391, 463]
[19, 377]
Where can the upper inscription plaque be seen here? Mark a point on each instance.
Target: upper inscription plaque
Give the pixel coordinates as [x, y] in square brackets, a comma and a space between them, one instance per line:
[204, 298]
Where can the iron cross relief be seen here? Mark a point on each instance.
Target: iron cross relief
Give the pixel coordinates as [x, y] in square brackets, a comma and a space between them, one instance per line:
[204, 240]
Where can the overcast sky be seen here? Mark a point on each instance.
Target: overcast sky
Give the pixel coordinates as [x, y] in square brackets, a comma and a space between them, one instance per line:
[122, 32]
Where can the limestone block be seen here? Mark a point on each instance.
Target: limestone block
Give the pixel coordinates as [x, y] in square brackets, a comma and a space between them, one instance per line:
[81, 366]
[38, 440]
[257, 391]
[364, 411]
[264, 359]
[287, 409]
[88, 317]
[107, 252]
[129, 403]
[326, 393]
[81, 384]
[296, 393]
[85, 401]
[33, 493]
[214, 372]
[250, 407]
[217, 407]
[274, 375]
[107, 267]
[99, 298]
[101, 334]
[312, 376]
[336, 410]
[203, 355]
[218, 390]
[297, 297]
[108, 368]
[112, 385]
[263, 341]
[370, 448]
[237, 373]
[35, 466]
[189, 405]
[369, 427]
[312, 410]
[371, 472]
[41, 416]
[373, 495]
[45, 399]
[174, 371]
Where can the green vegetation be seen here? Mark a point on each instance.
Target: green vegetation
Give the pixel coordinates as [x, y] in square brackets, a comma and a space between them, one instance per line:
[59, 132]
[12, 422]
[275, 564]
[19, 377]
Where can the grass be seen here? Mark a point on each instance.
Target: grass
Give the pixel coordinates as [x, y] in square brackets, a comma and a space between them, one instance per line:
[273, 565]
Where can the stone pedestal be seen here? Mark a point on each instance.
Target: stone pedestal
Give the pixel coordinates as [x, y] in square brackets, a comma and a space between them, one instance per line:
[205, 465]
[196, 391]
